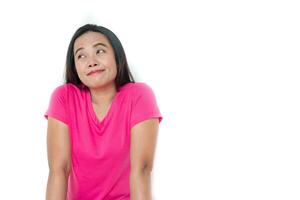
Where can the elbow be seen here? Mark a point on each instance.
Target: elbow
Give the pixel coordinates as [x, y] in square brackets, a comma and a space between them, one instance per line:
[144, 169]
[147, 169]
[140, 183]
[59, 169]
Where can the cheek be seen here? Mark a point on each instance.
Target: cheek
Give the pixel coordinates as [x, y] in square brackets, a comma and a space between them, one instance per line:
[112, 64]
[79, 69]
[113, 68]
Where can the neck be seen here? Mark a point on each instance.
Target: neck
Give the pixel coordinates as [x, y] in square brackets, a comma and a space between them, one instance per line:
[103, 95]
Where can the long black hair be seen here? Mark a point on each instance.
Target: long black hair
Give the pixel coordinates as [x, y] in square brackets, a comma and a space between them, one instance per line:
[123, 72]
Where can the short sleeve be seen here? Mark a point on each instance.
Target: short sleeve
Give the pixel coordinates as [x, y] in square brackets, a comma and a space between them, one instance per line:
[57, 107]
[144, 105]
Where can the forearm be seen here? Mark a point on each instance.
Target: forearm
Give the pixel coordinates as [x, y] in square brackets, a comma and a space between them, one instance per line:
[140, 185]
[57, 185]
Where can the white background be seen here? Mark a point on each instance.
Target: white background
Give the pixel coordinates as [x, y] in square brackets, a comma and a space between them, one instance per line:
[226, 78]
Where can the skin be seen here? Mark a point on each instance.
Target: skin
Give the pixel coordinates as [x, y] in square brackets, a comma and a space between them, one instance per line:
[142, 151]
[89, 57]
[59, 159]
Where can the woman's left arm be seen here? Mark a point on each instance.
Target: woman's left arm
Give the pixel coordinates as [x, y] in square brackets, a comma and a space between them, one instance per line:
[142, 150]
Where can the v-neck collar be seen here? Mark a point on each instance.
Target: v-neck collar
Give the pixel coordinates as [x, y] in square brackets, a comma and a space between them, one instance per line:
[93, 113]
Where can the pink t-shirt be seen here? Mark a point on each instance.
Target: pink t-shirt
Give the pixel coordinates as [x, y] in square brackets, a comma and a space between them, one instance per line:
[101, 149]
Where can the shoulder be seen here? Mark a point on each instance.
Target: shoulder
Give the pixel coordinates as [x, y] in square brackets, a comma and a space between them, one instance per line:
[140, 92]
[59, 90]
[64, 89]
[137, 88]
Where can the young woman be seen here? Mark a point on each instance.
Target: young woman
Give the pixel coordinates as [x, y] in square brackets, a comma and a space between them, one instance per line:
[102, 125]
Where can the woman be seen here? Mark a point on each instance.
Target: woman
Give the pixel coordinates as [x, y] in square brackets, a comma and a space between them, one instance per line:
[102, 125]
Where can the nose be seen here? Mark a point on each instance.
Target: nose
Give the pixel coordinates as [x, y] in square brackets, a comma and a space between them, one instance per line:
[92, 64]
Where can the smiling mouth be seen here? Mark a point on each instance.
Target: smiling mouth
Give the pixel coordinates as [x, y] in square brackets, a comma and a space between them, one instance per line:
[95, 72]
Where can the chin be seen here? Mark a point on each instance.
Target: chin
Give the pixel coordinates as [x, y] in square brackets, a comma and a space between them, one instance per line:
[98, 84]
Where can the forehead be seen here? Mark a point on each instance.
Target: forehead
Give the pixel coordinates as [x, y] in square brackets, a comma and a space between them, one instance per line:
[89, 39]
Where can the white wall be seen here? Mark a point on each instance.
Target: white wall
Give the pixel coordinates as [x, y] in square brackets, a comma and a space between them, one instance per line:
[226, 77]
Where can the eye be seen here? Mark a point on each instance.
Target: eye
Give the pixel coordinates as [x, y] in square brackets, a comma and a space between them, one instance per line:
[100, 50]
[79, 56]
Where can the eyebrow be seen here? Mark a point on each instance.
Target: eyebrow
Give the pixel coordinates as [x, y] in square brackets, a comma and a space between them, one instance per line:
[97, 44]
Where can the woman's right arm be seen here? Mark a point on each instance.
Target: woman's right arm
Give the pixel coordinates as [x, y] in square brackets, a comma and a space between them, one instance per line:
[59, 159]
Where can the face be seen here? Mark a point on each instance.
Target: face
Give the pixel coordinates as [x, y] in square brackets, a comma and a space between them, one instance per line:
[93, 52]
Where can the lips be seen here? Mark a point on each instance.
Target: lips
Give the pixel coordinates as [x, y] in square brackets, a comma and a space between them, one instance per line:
[95, 72]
